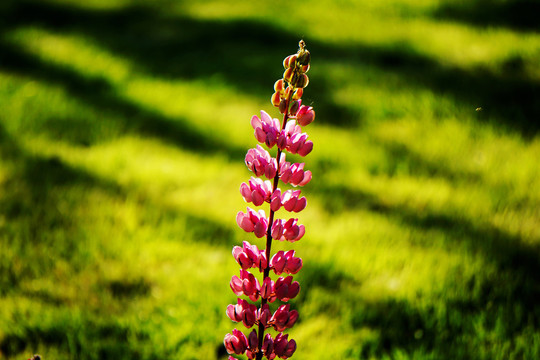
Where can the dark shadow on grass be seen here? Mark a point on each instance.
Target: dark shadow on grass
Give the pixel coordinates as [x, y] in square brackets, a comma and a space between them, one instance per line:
[37, 210]
[508, 251]
[97, 92]
[508, 98]
[447, 329]
[520, 15]
[243, 53]
[103, 339]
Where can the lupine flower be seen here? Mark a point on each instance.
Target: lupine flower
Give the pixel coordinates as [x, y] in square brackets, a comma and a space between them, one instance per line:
[291, 201]
[282, 289]
[266, 129]
[236, 343]
[294, 174]
[284, 348]
[286, 289]
[253, 221]
[268, 345]
[263, 315]
[261, 163]
[275, 200]
[295, 141]
[246, 284]
[283, 318]
[285, 262]
[267, 288]
[249, 256]
[253, 342]
[287, 230]
[305, 115]
[288, 137]
[242, 312]
[258, 191]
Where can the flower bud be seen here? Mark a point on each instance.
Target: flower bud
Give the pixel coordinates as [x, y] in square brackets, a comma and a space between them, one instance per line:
[301, 81]
[304, 57]
[295, 105]
[288, 74]
[287, 61]
[298, 93]
[279, 86]
[283, 106]
[275, 99]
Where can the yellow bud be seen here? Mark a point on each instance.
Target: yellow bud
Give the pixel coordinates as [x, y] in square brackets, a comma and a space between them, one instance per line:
[286, 62]
[287, 75]
[292, 61]
[300, 81]
[275, 99]
[298, 94]
[304, 57]
[279, 86]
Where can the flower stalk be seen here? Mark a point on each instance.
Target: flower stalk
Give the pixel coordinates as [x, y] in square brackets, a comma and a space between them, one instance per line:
[288, 137]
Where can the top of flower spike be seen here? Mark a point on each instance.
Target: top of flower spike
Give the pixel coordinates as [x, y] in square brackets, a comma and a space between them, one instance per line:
[296, 66]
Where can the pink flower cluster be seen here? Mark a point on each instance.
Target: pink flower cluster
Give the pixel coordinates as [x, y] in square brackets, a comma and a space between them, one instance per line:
[287, 136]
[291, 138]
[258, 191]
[238, 343]
[249, 256]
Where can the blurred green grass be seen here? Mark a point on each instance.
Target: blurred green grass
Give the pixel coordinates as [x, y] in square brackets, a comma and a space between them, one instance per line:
[123, 129]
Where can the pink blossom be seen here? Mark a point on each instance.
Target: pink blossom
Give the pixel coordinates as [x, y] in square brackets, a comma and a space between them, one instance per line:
[236, 343]
[258, 191]
[275, 200]
[246, 256]
[249, 256]
[253, 341]
[299, 144]
[263, 315]
[268, 345]
[267, 288]
[294, 174]
[266, 129]
[284, 348]
[243, 312]
[286, 289]
[287, 230]
[289, 138]
[285, 262]
[291, 201]
[253, 221]
[293, 140]
[246, 284]
[283, 318]
[305, 115]
[261, 163]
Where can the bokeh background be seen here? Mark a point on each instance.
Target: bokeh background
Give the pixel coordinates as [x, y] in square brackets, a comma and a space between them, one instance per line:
[123, 129]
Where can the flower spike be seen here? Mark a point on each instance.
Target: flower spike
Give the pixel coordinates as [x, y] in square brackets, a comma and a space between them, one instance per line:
[285, 136]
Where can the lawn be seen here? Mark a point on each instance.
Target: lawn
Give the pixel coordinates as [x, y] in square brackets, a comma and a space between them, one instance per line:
[123, 130]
